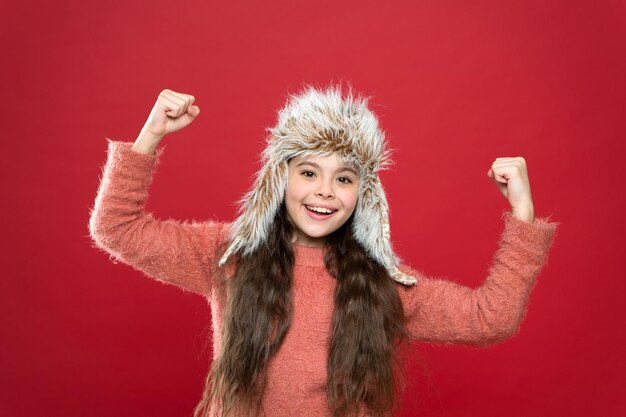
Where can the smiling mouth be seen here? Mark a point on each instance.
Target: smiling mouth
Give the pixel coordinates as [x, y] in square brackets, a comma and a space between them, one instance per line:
[322, 212]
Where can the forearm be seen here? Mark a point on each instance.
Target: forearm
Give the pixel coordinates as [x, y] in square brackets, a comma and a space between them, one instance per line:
[122, 193]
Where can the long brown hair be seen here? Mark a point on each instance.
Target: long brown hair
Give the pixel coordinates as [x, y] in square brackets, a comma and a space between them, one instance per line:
[368, 328]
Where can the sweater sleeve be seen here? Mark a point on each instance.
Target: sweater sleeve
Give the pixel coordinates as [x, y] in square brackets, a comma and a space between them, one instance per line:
[173, 252]
[442, 311]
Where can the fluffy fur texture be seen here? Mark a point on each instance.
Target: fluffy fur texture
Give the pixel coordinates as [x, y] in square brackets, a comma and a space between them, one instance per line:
[322, 122]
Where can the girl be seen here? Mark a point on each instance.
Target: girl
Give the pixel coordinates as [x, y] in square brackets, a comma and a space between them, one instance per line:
[310, 305]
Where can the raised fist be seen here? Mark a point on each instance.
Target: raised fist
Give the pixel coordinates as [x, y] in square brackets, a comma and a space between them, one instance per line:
[171, 112]
[511, 177]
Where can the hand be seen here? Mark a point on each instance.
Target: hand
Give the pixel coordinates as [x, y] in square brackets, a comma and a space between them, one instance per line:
[511, 177]
[172, 111]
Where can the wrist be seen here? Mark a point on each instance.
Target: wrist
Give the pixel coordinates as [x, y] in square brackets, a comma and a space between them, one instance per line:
[526, 213]
[146, 143]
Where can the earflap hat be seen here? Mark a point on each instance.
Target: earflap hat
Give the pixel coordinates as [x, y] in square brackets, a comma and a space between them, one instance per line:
[321, 122]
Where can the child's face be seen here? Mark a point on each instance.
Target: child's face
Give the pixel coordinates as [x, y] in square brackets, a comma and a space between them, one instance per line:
[320, 181]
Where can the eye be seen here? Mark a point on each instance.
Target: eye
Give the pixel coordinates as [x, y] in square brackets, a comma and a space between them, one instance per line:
[306, 173]
[345, 180]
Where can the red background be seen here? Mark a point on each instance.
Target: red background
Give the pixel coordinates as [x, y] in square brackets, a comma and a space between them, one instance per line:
[456, 84]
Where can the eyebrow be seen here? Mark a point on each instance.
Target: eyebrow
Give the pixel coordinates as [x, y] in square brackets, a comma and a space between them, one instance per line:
[342, 169]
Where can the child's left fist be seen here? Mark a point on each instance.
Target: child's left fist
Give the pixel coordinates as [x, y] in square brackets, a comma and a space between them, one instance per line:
[511, 177]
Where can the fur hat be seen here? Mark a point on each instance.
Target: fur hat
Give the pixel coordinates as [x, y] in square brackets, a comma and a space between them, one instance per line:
[321, 122]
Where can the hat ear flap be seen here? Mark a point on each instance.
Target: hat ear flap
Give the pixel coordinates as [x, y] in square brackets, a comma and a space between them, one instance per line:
[371, 228]
[257, 210]
[369, 216]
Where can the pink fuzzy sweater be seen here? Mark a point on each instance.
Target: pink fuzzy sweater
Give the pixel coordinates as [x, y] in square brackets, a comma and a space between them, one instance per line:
[437, 310]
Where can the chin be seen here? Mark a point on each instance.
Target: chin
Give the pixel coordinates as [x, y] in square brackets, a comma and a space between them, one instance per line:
[316, 234]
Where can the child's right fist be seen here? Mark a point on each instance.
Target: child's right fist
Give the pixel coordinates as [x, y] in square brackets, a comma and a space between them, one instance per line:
[171, 112]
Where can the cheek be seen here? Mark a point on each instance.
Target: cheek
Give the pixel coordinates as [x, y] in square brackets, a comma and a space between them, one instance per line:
[291, 202]
[296, 191]
[350, 199]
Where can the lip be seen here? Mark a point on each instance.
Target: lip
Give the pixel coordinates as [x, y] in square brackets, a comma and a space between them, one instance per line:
[316, 216]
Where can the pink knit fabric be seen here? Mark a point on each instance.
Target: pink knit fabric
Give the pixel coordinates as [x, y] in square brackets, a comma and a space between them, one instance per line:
[182, 254]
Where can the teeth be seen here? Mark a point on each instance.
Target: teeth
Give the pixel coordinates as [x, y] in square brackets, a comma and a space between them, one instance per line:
[320, 209]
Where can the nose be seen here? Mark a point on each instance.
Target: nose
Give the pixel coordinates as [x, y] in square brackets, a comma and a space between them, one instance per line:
[325, 190]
